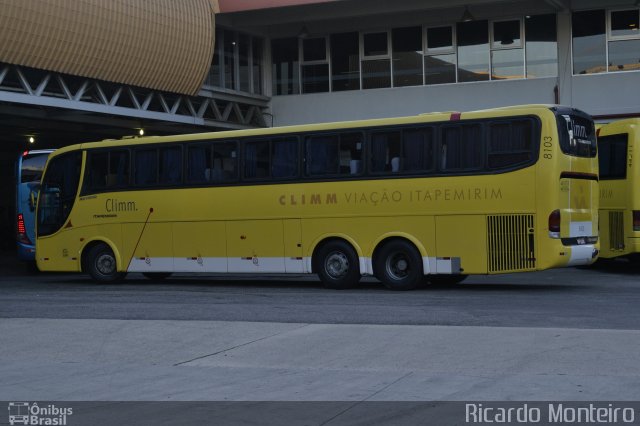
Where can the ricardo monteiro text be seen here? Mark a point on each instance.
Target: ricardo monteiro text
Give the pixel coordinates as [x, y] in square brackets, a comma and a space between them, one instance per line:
[549, 413]
[115, 205]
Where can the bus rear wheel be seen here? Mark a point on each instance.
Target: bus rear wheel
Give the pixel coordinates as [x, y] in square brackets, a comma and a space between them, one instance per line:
[398, 265]
[336, 263]
[101, 264]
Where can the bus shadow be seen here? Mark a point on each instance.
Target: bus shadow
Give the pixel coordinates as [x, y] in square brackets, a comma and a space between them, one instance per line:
[614, 266]
[368, 284]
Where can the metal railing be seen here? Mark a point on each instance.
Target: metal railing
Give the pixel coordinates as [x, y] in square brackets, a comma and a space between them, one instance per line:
[211, 108]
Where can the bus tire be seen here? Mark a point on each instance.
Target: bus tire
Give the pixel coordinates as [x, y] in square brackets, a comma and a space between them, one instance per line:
[398, 264]
[337, 265]
[101, 264]
[156, 276]
[445, 279]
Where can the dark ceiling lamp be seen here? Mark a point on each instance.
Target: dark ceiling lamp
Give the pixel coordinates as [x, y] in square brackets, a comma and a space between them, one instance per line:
[304, 32]
[466, 15]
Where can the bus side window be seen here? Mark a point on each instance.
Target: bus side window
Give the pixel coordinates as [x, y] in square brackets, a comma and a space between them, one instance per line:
[198, 163]
[351, 153]
[256, 160]
[612, 156]
[385, 152]
[98, 170]
[171, 165]
[322, 155]
[510, 143]
[118, 175]
[461, 147]
[284, 158]
[417, 150]
[146, 166]
[224, 162]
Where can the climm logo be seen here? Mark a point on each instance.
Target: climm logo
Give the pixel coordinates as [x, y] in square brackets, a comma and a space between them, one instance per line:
[303, 199]
[578, 130]
[115, 205]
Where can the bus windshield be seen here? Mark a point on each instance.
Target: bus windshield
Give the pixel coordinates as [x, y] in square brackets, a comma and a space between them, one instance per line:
[577, 134]
[58, 192]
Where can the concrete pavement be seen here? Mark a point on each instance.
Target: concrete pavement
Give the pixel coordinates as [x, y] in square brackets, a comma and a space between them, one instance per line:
[108, 360]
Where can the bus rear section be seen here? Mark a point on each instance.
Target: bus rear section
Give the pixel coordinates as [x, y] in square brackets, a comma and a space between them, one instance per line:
[619, 177]
[29, 168]
[574, 221]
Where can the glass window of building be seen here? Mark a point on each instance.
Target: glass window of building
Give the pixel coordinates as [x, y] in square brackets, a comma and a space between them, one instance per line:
[375, 44]
[541, 46]
[285, 69]
[237, 62]
[440, 56]
[589, 42]
[345, 62]
[624, 55]
[257, 54]
[214, 78]
[473, 51]
[507, 54]
[229, 42]
[407, 56]
[624, 23]
[244, 56]
[376, 62]
[624, 40]
[506, 34]
[315, 66]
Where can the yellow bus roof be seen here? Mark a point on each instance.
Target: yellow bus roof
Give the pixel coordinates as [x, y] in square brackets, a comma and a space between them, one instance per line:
[416, 119]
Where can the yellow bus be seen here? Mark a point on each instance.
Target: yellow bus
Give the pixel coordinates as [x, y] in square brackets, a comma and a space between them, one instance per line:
[618, 145]
[432, 197]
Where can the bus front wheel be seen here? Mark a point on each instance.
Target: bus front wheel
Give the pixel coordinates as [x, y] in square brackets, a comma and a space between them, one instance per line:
[337, 265]
[398, 265]
[101, 264]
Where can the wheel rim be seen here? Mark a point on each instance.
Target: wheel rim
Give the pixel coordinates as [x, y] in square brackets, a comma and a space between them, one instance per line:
[398, 266]
[336, 264]
[106, 264]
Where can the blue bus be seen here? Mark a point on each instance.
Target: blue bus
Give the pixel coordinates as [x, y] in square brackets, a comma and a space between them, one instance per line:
[29, 168]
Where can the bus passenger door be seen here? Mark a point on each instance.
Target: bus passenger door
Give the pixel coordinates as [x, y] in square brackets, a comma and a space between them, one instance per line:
[255, 246]
[293, 260]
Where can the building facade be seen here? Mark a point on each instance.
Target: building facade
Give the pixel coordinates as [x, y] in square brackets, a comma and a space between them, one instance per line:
[353, 59]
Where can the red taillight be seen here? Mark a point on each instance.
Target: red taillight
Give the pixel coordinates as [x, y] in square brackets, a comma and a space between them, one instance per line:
[554, 221]
[636, 220]
[21, 227]
[455, 116]
[25, 153]
[22, 230]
